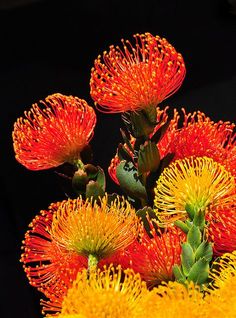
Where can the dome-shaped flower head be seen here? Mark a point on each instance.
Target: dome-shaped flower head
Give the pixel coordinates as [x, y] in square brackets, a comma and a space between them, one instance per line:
[60, 240]
[173, 299]
[154, 257]
[196, 182]
[111, 293]
[95, 228]
[222, 229]
[199, 136]
[136, 76]
[53, 132]
[49, 267]
[220, 296]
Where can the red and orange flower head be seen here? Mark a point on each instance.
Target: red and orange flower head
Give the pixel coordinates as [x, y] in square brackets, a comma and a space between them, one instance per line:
[49, 267]
[61, 240]
[154, 257]
[53, 132]
[222, 229]
[199, 182]
[136, 77]
[200, 136]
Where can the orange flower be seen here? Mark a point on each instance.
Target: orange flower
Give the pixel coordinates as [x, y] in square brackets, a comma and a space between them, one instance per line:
[49, 267]
[99, 229]
[137, 76]
[53, 132]
[61, 239]
[222, 229]
[155, 257]
[200, 136]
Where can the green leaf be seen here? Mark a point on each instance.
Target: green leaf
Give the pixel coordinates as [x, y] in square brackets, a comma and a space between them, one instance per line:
[126, 137]
[199, 219]
[123, 153]
[91, 171]
[199, 272]
[151, 114]
[187, 258]
[94, 190]
[129, 181]
[194, 237]
[79, 180]
[142, 213]
[179, 276]
[141, 126]
[204, 250]
[183, 226]
[101, 178]
[190, 210]
[159, 134]
[148, 158]
[165, 161]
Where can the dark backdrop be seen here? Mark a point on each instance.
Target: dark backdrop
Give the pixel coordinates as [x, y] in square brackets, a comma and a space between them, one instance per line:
[49, 46]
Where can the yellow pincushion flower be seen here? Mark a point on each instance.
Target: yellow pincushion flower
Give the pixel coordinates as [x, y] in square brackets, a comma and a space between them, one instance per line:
[111, 293]
[221, 296]
[173, 299]
[198, 182]
[96, 229]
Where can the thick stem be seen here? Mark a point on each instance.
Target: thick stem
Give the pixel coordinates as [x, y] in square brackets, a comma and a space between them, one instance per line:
[92, 262]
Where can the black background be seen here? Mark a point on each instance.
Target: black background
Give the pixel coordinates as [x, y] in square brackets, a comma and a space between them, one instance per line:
[49, 46]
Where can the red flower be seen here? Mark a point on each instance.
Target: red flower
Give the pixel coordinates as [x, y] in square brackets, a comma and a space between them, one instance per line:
[61, 239]
[138, 76]
[200, 136]
[49, 267]
[53, 132]
[155, 257]
[193, 135]
[222, 229]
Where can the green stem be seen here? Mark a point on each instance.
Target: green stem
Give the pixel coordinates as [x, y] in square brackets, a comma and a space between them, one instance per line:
[78, 164]
[92, 262]
[196, 252]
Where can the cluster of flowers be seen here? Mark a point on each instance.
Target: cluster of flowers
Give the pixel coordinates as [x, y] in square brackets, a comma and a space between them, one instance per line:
[167, 246]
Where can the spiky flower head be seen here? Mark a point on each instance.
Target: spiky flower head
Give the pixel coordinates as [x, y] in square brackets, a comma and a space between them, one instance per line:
[155, 254]
[197, 182]
[136, 76]
[53, 132]
[198, 135]
[49, 267]
[95, 228]
[221, 229]
[220, 294]
[110, 293]
[173, 299]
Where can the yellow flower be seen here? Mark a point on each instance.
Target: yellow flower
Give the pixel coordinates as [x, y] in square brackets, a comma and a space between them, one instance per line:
[199, 182]
[111, 293]
[221, 294]
[173, 299]
[96, 229]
